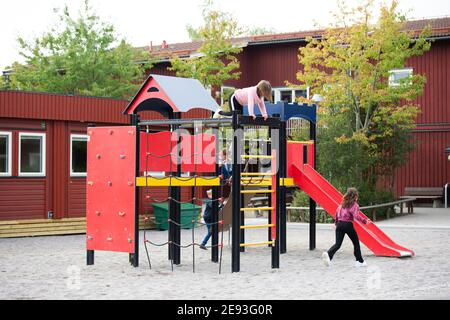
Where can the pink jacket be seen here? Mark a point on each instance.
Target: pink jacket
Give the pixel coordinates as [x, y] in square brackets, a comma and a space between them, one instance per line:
[248, 96]
[349, 214]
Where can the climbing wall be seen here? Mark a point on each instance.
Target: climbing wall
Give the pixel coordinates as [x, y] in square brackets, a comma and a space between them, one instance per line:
[111, 163]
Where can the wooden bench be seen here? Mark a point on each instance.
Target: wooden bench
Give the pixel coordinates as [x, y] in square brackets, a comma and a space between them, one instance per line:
[435, 194]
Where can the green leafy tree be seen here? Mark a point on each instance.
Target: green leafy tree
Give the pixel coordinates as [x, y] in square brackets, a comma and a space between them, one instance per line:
[80, 56]
[350, 66]
[257, 31]
[215, 61]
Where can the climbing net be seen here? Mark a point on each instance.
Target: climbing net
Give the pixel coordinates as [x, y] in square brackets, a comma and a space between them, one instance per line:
[193, 224]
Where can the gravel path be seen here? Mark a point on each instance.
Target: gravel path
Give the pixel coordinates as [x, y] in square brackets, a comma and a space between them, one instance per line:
[54, 268]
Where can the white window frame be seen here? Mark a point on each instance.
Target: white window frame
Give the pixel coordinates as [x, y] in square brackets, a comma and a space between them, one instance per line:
[43, 154]
[277, 93]
[8, 135]
[221, 93]
[76, 136]
[392, 82]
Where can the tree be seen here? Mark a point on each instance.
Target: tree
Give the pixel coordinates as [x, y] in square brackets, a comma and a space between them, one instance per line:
[215, 61]
[350, 66]
[80, 56]
[257, 31]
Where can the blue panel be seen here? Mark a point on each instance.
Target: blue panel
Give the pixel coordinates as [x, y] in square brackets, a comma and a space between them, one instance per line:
[289, 110]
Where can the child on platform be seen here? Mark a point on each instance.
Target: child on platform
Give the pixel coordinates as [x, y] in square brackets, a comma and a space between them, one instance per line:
[249, 96]
[346, 213]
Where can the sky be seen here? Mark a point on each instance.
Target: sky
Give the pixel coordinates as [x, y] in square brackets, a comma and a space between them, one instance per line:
[142, 21]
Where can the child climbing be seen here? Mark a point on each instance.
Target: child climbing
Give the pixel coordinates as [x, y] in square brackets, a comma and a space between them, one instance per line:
[207, 216]
[249, 96]
[346, 213]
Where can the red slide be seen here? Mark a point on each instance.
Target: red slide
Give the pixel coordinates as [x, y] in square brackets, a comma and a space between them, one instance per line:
[329, 198]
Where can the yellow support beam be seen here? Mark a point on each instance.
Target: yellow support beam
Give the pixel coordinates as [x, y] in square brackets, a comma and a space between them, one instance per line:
[256, 191]
[302, 142]
[257, 244]
[257, 174]
[178, 182]
[257, 208]
[258, 226]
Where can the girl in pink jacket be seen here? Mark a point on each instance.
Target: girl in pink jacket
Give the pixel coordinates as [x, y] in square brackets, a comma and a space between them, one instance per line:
[346, 213]
[249, 96]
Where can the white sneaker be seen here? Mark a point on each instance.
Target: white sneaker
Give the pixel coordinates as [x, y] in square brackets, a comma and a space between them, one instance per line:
[326, 259]
[359, 264]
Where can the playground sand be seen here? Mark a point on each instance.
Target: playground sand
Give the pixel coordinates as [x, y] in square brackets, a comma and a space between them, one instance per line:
[54, 268]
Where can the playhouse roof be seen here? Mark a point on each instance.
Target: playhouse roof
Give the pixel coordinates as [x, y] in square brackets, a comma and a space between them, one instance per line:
[166, 95]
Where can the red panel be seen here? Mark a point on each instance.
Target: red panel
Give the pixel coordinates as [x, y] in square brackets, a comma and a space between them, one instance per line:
[111, 189]
[294, 155]
[311, 151]
[198, 152]
[156, 149]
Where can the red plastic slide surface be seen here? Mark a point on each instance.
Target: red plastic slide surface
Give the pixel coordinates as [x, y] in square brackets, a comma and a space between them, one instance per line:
[329, 198]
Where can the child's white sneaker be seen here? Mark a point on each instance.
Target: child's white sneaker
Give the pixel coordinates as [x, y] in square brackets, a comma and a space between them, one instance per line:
[326, 259]
[360, 264]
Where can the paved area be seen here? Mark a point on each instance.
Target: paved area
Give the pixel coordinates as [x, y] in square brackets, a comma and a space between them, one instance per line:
[54, 267]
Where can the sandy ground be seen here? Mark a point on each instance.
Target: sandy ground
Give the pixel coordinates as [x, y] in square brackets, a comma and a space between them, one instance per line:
[54, 268]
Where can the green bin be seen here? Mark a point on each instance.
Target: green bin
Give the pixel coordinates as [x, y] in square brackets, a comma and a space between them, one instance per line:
[189, 212]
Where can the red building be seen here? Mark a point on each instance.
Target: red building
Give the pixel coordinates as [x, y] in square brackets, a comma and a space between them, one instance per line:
[274, 58]
[43, 158]
[42, 136]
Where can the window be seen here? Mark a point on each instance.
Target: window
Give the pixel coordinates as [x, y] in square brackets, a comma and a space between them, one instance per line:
[289, 95]
[5, 154]
[397, 75]
[32, 154]
[78, 155]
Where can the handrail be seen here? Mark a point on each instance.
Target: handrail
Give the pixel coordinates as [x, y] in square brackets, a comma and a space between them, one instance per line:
[388, 204]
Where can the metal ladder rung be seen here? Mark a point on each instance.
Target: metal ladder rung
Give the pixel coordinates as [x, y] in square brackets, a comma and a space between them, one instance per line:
[257, 244]
[256, 191]
[258, 226]
[255, 156]
[257, 208]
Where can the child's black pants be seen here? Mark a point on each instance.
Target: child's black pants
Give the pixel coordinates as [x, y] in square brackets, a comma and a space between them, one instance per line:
[346, 228]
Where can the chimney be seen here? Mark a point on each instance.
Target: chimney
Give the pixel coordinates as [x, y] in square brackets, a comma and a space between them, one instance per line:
[151, 46]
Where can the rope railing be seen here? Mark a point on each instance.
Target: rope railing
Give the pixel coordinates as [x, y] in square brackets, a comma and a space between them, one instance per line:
[194, 223]
[371, 207]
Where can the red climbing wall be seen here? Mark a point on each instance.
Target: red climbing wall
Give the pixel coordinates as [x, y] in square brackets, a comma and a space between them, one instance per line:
[110, 197]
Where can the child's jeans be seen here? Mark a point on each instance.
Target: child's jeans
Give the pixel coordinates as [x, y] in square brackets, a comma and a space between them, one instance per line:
[205, 241]
[343, 228]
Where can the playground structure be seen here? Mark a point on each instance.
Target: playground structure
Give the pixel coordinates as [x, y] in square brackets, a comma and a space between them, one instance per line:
[120, 160]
